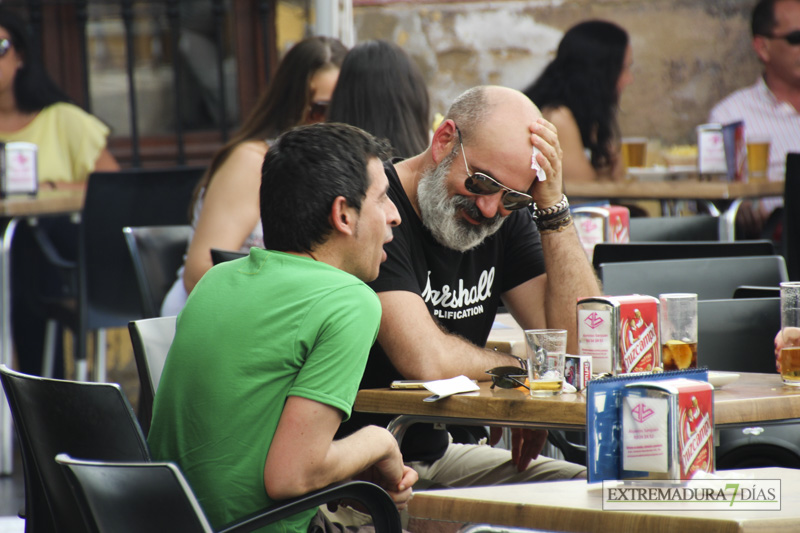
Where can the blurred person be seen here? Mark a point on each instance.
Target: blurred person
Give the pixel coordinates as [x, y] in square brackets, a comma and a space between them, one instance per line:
[71, 145]
[269, 350]
[382, 91]
[770, 108]
[468, 244]
[225, 211]
[579, 92]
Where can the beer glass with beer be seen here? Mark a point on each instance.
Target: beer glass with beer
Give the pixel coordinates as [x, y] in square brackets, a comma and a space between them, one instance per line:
[546, 351]
[790, 333]
[678, 330]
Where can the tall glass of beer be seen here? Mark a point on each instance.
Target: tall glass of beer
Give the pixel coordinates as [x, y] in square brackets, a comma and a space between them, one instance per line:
[790, 333]
[678, 330]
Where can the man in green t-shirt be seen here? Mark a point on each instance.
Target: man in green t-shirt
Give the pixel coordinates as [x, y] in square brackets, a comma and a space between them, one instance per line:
[270, 349]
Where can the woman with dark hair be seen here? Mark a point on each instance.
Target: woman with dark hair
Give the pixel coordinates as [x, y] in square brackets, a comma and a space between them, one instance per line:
[579, 92]
[71, 142]
[225, 210]
[382, 91]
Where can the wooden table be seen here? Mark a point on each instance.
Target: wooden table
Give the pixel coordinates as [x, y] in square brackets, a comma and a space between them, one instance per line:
[13, 210]
[577, 506]
[753, 398]
[680, 189]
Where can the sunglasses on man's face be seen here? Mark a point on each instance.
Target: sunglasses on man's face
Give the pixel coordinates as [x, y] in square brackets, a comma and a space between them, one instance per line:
[317, 110]
[5, 46]
[507, 377]
[485, 185]
[793, 37]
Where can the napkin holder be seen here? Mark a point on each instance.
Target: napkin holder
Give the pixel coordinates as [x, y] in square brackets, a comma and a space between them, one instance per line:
[18, 169]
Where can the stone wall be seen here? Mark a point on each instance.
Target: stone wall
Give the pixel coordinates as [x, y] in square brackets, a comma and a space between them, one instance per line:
[687, 53]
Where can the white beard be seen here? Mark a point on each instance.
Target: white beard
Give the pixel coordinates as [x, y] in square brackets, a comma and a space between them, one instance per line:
[441, 213]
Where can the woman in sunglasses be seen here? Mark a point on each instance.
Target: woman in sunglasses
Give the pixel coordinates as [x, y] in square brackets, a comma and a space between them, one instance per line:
[225, 211]
[71, 142]
[579, 92]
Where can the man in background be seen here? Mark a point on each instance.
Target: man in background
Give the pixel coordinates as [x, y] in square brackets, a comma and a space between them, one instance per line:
[770, 109]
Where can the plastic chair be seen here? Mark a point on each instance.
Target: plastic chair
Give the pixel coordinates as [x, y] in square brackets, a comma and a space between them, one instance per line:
[107, 295]
[607, 252]
[151, 339]
[220, 256]
[790, 236]
[737, 334]
[157, 253]
[91, 420]
[156, 498]
[756, 291]
[711, 278]
[690, 228]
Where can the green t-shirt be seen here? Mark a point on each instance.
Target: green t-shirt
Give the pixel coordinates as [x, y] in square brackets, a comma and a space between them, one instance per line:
[253, 332]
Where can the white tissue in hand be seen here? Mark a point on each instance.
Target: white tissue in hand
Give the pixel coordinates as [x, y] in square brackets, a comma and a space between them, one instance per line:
[536, 166]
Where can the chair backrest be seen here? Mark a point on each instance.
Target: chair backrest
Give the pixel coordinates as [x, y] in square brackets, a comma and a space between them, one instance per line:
[220, 256]
[608, 252]
[134, 497]
[790, 236]
[711, 278]
[157, 253]
[109, 295]
[87, 420]
[737, 335]
[690, 228]
[757, 291]
[151, 339]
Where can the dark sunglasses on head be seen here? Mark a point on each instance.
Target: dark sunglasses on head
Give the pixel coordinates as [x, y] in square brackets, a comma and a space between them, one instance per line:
[484, 185]
[508, 377]
[317, 110]
[793, 37]
[5, 46]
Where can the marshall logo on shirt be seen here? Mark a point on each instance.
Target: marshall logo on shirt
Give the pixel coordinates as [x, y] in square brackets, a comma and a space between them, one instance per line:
[451, 303]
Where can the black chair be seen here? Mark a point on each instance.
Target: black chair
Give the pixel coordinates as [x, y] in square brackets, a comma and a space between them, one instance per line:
[220, 256]
[91, 420]
[606, 252]
[689, 228]
[790, 236]
[155, 497]
[756, 291]
[157, 253]
[151, 339]
[711, 278]
[737, 335]
[108, 295]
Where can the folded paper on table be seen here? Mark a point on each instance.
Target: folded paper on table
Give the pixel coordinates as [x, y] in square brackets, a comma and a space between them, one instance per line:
[603, 423]
[442, 388]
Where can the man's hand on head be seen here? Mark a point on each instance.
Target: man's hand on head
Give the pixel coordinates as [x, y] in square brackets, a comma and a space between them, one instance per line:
[545, 137]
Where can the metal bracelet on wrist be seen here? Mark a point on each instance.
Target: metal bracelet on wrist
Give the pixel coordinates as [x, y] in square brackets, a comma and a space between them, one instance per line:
[553, 210]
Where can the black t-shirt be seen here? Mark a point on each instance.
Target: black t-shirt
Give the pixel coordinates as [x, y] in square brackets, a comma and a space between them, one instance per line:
[461, 290]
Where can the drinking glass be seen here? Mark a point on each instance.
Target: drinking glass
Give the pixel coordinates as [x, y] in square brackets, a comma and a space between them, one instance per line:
[546, 351]
[790, 333]
[678, 330]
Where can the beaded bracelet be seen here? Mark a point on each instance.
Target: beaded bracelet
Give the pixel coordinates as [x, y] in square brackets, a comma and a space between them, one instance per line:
[553, 210]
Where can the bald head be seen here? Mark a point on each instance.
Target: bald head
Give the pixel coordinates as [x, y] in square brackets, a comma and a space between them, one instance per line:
[488, 107]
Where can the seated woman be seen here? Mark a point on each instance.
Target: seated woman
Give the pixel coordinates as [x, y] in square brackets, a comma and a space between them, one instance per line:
[382, 91]
[71, 145]
[225, 212]
[579, 92]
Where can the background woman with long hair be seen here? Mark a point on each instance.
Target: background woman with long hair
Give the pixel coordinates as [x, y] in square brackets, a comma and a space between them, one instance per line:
[579, 92]
[382, 91]
[225, 210]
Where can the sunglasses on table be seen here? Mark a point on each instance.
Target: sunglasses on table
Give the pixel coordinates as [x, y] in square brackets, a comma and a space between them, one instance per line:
[508, 377]
[485, 185]
[793, 37]
[5, 46]
[317, 110]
